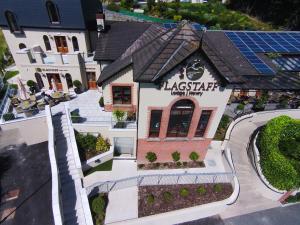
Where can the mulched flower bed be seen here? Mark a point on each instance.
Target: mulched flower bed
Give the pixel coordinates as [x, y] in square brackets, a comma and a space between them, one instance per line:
[154, 200]
[171, 165]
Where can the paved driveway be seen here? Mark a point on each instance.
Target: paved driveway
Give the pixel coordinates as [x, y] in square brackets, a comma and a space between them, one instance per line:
[254, 195]
[277, 216]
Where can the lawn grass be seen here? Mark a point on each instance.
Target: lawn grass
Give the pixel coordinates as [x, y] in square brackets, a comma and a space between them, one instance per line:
[107, 166]
[10, 74]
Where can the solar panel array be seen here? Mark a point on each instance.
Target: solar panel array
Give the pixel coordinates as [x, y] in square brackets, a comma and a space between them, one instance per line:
[288, 63]
[196, 26]
[250, 43]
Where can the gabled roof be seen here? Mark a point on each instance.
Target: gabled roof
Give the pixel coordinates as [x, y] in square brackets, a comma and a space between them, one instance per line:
[155, 53]
[164, 53]
[117, 37]
[126, 58]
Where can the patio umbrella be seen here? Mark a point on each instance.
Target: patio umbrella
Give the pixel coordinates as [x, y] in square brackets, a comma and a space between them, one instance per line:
[54, 87]
[22, 93]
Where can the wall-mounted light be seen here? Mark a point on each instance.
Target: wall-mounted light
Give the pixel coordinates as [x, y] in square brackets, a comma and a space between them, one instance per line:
[43, 75]
[63, 76]
[69, 38]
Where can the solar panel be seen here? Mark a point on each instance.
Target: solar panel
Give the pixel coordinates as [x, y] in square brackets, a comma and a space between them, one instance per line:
[251, 43]
[170, 25]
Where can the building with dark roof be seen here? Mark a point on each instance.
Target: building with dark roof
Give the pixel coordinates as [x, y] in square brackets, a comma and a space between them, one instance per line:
[53, 41]
[179, 80]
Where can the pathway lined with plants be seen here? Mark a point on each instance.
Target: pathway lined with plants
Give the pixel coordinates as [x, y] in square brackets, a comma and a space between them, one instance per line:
[254, 195]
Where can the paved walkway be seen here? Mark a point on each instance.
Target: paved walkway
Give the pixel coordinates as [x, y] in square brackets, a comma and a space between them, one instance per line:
[254, 195]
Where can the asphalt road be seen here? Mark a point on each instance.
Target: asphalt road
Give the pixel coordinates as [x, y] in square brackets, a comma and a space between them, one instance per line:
[288, 215]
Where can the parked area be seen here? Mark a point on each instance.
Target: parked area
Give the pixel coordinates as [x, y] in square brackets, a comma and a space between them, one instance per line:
[25, 181]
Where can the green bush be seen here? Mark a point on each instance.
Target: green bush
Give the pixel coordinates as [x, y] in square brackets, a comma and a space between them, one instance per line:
[201, 190]
[240, 107]
[194, 156]
[184, 192]
[293, 198]
[86, 142]
[119, 115]
[218, 188]
[8, 116]
[113, 7]
[102, 145]
[98, 205]
[30, 83]
[277, 168]
[150, 199]
[101, 101]
[14, 86]
[176, 156]
[75, 116]
[178, 164]
[151, 157]
[77, 84]
[167, 196]
[289, 143]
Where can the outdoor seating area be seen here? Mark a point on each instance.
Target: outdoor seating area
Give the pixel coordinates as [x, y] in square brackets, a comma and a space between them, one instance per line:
[24, 103]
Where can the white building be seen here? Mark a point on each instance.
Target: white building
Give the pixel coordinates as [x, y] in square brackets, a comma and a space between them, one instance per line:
[53, 40]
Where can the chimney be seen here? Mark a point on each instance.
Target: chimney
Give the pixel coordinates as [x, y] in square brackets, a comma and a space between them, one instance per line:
[100, 18]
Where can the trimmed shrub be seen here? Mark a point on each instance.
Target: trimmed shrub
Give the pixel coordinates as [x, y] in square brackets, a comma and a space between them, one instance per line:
[201, 190]
[176, 156]
[150, 199]
[98, 205]
[178, 164]
[194, 156]
[184, 192]
[240, 107]
[278, 169]
[101, 102]
[218, 188]
[77, 84]
[167, 196]
[151, 157]
[102, 145]
[8, 116]
[30, 83]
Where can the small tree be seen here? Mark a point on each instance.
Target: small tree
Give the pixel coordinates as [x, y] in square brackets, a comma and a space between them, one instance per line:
[113, 7]
[194, 156]
[151, 157]
[119, 115]
[101, 101]
[176, 156]
[31, 84]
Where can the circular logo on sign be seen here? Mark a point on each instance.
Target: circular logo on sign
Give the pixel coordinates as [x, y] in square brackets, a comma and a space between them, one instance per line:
[194, 70]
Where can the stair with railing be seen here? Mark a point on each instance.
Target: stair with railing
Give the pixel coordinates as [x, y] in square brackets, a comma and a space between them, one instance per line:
[70, 178]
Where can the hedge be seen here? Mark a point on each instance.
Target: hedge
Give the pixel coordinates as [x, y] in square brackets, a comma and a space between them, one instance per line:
[278, 169]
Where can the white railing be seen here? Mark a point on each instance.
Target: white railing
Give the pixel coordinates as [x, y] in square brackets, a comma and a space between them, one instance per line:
[56, 197]
[161, 179]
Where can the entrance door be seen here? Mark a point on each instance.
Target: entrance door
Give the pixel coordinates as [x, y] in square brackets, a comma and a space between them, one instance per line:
[57, 80]
[61, 44]
[123, 146]
[91, 76]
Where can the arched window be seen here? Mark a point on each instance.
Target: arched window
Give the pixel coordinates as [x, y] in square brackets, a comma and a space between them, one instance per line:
[52, 12]
[75, 44]
[22, 46]
[180, 118]
[47, 43]
[39, 80]
[69, 80]
[12, 21]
